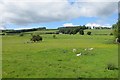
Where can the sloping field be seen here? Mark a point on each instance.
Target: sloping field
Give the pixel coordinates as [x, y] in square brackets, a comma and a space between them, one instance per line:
[54, 58]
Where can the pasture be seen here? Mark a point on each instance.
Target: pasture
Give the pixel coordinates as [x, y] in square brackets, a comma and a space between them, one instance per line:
[54, 58]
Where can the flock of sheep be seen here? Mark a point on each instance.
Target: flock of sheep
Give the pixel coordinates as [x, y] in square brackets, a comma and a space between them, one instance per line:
[79, 54]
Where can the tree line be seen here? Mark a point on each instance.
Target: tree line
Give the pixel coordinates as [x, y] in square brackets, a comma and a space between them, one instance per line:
[72, 30]
[23, 30]
[116, 28]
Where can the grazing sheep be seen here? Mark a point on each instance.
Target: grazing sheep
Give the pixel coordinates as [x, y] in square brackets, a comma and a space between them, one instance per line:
[78, 54]
[90, 49]
[74, 50]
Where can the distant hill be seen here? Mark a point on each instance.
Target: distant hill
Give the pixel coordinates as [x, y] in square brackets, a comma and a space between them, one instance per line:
[23, 30]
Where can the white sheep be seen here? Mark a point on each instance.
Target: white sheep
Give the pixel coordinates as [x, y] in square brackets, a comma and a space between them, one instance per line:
[90, 49]
[74, 50]
[78, 54]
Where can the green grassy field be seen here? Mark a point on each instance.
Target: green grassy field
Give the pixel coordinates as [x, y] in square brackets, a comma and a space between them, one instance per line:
[54, 58]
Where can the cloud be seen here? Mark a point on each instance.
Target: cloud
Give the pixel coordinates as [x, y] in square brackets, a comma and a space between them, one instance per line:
[97, 25]
[93, 24]
[97, 0]
[2, 27]
[23, 28]
[97, 9]
[69, 24]
[24, 12]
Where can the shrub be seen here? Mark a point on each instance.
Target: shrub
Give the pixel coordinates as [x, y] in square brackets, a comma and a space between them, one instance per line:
[81, 32]
[36, 38]
[49, 32]
[21, 34]
[3, 34]
[111, 66]
[31, 34]
[54, 36]
[111, 33]
[88, 33]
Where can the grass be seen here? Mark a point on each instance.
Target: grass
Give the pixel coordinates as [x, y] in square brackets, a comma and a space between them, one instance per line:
[100, 31]
[53, 58]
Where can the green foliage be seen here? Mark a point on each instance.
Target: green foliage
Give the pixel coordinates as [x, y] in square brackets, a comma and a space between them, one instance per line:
[3, 34]
[117, 30]
[111, 66]
[81, 32]
[36, 38]
[114, 26]
[31, 34]
[54, 36]
[71, 30]
[21, 34]
[75, 31]
[111, 33]
[24, 30]
[88, 33]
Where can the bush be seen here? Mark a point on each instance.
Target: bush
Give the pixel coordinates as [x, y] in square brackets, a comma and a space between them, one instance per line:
[81, 32]
[36, 38]
[111, 33]
[54, 36]
[31, 34]
[89, 33]
[21, 34]
[3, 34]
[111, 66]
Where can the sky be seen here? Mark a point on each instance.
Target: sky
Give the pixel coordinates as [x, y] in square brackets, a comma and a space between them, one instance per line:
[25, 14]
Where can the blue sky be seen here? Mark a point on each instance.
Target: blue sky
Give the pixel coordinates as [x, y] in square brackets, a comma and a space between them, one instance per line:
[56, 13]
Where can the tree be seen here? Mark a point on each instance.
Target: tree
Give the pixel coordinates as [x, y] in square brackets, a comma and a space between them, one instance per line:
[88, 33]
[84, 27]
[54, 36]
[36, 38]
[76, 30]
[114, 26]
[71, 30]
[81, 32]
[117, 30]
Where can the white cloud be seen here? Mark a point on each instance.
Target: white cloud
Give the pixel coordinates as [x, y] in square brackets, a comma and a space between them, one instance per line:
[97, 25]
[23, 28]
[2, 27]
[93, 24]
[107, 25]
[97, 0]
[39, 11]
[69, 24]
